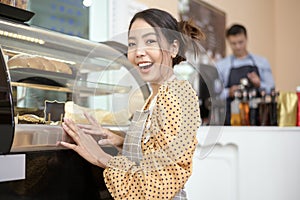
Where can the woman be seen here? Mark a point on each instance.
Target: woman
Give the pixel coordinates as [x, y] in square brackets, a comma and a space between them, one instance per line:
[157, 151]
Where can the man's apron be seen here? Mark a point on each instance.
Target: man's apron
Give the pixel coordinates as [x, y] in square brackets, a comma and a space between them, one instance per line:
[132, 144]
[235, 75]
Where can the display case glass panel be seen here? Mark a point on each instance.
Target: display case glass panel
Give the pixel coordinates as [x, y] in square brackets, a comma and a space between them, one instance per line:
[53, 76]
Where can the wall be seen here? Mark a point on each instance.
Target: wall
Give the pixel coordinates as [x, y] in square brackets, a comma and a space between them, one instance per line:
[287, 51]
[257, 16]
[167, 5]
[272, 32]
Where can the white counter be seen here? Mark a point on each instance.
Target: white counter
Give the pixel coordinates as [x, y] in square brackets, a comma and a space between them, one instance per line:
[247, 163]
[12, 167]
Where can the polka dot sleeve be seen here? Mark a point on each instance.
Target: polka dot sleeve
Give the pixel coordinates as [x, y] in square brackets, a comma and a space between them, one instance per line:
[167, 155]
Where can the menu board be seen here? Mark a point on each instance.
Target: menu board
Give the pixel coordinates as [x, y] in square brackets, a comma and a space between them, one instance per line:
[212, 22]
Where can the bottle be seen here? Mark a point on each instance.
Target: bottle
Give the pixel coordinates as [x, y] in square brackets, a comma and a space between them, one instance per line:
[273, 108]
[235, 118]
[244, 109]
[298, 111]
[263, 109]
[253, 106]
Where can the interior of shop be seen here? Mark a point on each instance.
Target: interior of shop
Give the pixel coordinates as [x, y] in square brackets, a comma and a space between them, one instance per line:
[63, 58]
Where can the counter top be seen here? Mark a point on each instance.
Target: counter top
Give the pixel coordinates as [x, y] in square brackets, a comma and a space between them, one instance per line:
[246, 163]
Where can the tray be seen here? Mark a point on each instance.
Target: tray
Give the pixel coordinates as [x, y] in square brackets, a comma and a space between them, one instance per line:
[15, 13]
[21, 74]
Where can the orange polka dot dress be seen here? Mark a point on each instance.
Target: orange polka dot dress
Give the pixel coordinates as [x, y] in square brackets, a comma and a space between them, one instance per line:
[166, 164]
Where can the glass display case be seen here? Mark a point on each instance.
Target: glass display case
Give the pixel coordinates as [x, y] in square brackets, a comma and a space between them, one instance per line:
[51, 75]
[46, 76]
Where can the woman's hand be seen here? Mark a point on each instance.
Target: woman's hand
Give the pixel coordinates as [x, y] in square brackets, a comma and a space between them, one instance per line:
[107, 137]
[85, 145]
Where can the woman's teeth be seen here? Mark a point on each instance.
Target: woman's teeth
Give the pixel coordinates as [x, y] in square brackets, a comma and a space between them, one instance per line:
[145, 65]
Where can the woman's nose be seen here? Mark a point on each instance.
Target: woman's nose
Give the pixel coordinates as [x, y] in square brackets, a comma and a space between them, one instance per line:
[140, 51]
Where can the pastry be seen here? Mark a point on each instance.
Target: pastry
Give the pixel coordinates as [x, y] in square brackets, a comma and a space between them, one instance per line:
[30, 119]
[19, 61]
[38, 62]
[76, 113]
[61, 67]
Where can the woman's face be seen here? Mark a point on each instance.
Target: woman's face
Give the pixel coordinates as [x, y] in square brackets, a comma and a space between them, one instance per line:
[149, 54]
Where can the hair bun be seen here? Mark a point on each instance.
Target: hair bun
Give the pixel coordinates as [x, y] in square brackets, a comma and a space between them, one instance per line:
[189, 28]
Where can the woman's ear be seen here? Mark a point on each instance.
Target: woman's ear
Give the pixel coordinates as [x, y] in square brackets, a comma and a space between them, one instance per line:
[174, 48]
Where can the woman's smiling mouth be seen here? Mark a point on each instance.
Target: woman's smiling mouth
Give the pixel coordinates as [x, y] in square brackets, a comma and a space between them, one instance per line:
[145, 66]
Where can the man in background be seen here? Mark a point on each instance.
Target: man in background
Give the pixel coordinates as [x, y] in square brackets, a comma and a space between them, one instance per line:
[242, 64]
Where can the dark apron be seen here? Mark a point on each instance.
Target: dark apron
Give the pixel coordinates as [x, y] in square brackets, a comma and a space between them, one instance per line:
[235, 75]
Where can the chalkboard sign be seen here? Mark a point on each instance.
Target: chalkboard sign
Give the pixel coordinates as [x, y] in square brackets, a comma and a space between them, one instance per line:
[54, 110]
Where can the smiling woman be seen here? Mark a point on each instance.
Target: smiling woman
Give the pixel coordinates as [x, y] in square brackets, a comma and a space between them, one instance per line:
[155, 158]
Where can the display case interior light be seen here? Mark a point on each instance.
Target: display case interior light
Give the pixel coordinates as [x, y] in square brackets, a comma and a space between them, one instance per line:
[21, 37]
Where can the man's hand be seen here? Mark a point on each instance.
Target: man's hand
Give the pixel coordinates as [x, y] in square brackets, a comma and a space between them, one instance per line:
[254, 79]
[232, 89]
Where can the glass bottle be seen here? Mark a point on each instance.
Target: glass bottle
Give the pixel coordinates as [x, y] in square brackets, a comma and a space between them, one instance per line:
[253, 106]
[263, 109]
[244, 109]
[273, 108]
[235, 118]
[298, 112]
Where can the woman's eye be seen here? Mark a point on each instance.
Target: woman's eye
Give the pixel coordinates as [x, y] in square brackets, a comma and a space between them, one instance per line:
[150, 41]
[131, 44]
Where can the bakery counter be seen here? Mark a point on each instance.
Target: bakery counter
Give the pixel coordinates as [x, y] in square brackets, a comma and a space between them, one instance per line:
[49, 171]
[56, 174]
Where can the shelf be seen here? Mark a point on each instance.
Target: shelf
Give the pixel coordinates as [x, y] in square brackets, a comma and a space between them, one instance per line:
[41, 87]
[20, 74]
[101, 89]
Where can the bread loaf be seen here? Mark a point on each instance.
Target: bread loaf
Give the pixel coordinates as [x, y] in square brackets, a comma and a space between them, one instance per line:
[16, 3]
[38, 62]
[61, 67]
[19, 60]
[47, 64]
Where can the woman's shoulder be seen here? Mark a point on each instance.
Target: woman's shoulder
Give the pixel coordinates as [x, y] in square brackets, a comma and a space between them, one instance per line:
[179, 87]
[178, 93]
